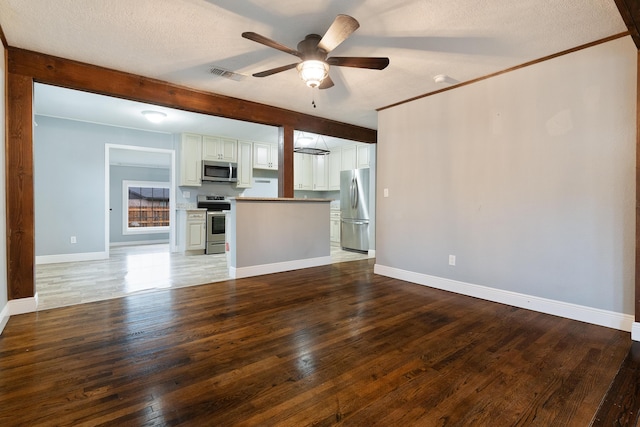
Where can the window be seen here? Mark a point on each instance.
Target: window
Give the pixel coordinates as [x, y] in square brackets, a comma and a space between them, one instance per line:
[145, 207]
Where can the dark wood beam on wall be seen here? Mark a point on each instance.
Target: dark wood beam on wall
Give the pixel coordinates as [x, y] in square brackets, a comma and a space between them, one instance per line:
[19, 190]
[285, 161]
[630, 12]
[26, 67]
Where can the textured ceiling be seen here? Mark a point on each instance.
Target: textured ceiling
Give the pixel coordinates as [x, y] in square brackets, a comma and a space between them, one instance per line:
[179, 41]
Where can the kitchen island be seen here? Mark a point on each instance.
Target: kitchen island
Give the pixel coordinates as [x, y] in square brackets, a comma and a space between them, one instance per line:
[269, 235]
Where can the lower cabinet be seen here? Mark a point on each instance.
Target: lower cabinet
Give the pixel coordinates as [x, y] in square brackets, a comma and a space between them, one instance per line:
[196, 230]
[335, 226]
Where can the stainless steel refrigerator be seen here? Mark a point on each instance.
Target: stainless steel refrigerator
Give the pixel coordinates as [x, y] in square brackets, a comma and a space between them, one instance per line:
[354, 207]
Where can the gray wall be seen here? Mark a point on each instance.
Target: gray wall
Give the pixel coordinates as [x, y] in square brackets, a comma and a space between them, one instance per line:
[265, 233]
[528, 178]
[131, 173]
[69, 181]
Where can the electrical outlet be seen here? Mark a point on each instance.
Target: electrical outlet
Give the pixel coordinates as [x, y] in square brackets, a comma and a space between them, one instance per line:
[186, 194]
[73, 239]
[452, 260]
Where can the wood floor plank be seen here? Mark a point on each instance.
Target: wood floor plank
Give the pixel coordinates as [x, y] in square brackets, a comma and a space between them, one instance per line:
[332, 345]
[621, 405]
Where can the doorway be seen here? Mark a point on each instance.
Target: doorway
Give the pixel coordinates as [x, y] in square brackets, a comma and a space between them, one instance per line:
[150, 170]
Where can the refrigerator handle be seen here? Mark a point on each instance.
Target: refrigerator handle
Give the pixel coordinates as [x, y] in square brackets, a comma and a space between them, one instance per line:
[355, 193]
[352, 191]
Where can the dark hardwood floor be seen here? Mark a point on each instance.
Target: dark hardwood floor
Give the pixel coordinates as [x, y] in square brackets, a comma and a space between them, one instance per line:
[621, 405]
[322, 346]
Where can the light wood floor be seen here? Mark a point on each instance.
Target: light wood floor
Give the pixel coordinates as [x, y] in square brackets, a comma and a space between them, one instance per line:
[132, 269]
[331, 345]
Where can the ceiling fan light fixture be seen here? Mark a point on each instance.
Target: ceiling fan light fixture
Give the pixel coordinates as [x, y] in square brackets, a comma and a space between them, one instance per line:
[154, 116]
[313, 72]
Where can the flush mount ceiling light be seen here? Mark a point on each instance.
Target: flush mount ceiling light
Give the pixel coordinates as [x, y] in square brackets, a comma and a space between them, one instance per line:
[154, 116]
[313, 72]
[440, 78]
[445, 79]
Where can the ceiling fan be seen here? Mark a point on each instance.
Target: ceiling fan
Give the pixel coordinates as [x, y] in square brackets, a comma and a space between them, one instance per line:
[313, 50]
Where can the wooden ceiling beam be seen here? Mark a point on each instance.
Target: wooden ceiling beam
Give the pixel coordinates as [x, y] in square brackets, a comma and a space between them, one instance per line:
[71, 74]
[630, 12]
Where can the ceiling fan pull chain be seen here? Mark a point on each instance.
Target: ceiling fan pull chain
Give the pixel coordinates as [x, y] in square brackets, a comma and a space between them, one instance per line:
[313, 98]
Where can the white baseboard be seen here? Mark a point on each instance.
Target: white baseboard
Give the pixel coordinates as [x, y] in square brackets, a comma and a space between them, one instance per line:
[635, 331]
[17, 306]
[4, 317]
[582, 313]
[139, 243]
[23, 305]
[257, 270]
[84, 256]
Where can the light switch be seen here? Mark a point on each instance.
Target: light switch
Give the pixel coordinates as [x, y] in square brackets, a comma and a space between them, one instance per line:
[186, 194]
[386, 192]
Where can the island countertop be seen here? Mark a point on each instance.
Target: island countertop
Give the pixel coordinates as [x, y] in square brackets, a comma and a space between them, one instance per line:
[276, 199]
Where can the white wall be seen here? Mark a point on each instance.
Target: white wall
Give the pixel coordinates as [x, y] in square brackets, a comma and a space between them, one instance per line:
[4, 312]
[527, 177]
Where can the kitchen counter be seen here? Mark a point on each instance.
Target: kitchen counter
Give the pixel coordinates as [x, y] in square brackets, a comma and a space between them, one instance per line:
[269, 235]
[186, 206]
[278, 199]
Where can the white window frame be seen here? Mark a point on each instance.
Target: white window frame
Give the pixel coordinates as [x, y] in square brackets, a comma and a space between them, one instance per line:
[126, 230]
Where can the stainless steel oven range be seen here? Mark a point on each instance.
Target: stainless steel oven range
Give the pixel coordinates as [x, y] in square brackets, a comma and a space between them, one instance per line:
[216, 207]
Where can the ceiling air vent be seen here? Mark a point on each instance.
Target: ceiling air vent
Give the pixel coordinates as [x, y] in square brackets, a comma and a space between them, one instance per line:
[221, 72]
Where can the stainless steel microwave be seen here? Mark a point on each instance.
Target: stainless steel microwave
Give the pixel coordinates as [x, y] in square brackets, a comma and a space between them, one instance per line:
[219, 171]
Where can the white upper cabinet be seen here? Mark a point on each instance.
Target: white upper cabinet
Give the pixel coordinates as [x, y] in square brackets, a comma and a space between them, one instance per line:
[302, 171]
[335, 166]
[364, 151]
[320, 173]
[219, 149]
[355, 156]
[349, 157]
[265, 156]
[190, 160]
[245, 164]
